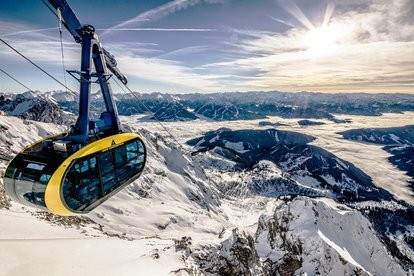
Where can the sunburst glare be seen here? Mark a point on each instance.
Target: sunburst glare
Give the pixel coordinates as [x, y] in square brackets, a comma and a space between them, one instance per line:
[323, 41]
[318, 41]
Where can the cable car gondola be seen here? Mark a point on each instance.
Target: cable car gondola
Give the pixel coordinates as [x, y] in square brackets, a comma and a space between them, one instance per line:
[72, 173]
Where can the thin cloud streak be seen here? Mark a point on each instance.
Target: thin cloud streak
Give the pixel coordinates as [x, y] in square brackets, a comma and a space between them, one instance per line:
[281, 21]
[183, 52]
[27, 32]
[159, 29]
[156, 13]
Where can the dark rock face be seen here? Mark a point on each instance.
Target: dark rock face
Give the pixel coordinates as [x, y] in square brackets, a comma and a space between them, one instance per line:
[290, 151]
[238, 254]
[33, 107]
[235, 256]
[309, 123]
[267, 123]
[393, 226]
[382, 136]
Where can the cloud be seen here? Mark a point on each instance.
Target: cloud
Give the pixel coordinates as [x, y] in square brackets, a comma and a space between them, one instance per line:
[373, 53]
[184, 51]
[281, 21]
[167, 72]
[26, 32]
[160, 29]
[43, 47]
[160, 12]
[155, 14]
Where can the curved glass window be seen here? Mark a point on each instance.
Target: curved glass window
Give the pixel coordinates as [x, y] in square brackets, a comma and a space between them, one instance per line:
[27, 184]
[90, 179]
[39, 189]
[81, 186]
[135, 157]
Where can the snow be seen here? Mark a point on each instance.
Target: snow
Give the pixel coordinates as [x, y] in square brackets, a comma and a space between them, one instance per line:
[80, 256]
[176, 196]
[341, 251]
[351, 231]
[362, 155]
[29, 246]
[22, 108]
[236, 146]
[342, 209]
[212, 140]
[395, 138]
[11, 138]
[61, 96]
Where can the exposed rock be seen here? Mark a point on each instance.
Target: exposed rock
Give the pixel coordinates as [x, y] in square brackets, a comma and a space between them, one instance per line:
[34, 107]
[236, 255]
[300, 237]
[4, 201]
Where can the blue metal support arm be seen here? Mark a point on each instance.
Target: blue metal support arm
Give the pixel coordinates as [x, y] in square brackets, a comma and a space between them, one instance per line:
[92, 50]
[72, 23]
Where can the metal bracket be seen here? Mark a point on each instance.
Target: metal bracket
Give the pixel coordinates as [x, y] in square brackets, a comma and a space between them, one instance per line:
[77, 75]
[100, 76]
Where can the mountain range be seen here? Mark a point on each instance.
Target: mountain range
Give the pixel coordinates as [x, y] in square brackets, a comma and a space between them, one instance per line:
[246, 105]
[232, 201]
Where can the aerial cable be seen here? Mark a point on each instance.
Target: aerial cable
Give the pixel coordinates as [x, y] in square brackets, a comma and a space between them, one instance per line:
[37, 66]
[31, 90]
[152, 113]
[213, 193]
[47, 5]
[10, 76]
[59, 17]
[41, 69]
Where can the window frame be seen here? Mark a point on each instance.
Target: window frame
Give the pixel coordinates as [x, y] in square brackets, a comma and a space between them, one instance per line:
[103, 193]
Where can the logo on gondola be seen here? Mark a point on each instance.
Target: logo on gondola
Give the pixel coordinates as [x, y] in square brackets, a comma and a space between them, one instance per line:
[113, 143]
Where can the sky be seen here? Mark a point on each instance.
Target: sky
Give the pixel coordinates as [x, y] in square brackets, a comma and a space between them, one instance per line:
[184, 46]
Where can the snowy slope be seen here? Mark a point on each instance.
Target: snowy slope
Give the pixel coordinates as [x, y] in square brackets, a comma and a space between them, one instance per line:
[300, 236]
[172, 196]
[171, 199]
[311, 166]
[29, 246]
[34, 106]
[11, 129]
[141, 229]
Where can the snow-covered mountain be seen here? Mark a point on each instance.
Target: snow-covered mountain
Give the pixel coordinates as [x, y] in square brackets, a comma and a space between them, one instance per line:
[300, 237]
[225, 111]
[33, 106]
[311, 166]
[207, 214]
[250, 105]
[383, 136]
[398, 141]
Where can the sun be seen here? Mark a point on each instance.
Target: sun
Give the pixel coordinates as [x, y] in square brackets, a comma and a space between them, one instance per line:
[322, 41]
